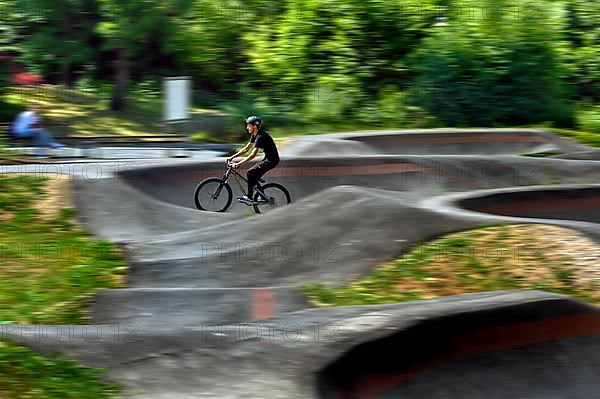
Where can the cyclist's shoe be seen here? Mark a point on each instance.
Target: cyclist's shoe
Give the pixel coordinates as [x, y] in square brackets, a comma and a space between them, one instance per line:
[245, 200]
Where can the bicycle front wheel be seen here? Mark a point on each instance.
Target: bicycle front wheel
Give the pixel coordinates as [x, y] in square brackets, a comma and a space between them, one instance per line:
[213, 195]
[278, 196]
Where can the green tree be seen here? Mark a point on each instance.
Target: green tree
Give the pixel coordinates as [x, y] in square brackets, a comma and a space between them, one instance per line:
[493, 70]
[140, 39]
[8, 47]
[331, 55]
[57, 36]
[582, 33]
[208, 42]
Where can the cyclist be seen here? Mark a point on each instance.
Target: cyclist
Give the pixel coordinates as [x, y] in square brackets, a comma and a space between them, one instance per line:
[260, 140]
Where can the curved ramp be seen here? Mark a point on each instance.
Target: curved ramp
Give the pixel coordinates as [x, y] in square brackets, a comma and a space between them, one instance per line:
[572, 203]
[213, 297]
[114, 210]
[416, 175]
[449, 141]
[433, 347]
[530, 350]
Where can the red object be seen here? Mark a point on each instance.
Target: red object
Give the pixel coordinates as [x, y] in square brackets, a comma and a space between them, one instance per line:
[26, 79]
[263, 304]
[18, 76]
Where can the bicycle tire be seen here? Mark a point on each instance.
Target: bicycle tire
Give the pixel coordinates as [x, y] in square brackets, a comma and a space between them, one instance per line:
[271, 186]
[204, 184]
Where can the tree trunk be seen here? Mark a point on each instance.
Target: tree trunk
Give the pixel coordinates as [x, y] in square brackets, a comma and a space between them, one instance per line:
[121, 87]
[66, 74]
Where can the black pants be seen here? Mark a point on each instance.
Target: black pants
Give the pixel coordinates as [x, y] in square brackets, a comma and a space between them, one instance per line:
[256, 172]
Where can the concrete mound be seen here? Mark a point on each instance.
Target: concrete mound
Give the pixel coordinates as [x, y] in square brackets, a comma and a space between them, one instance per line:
[213, 307]
[332, 237]
[462, 141]
[147, 307]
[590, 155]
[531, 350]
[524, 343]
[114, 210]
[315, 147]
[420, 175]
[572, 203]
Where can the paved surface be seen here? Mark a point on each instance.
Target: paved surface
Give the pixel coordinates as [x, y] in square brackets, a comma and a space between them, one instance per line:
[137, 151]
[213, 307]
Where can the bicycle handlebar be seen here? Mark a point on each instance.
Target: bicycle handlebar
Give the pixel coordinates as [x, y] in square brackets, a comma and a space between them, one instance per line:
[230, 164]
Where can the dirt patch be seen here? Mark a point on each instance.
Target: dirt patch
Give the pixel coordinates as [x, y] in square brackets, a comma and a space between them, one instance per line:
[530, 254]
[58, 196]
[576, 250]
[525, 257]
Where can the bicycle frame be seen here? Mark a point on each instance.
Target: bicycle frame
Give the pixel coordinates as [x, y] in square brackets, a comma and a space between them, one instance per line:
[237, 176]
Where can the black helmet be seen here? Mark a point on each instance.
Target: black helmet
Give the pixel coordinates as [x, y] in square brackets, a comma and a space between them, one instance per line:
[254, 120]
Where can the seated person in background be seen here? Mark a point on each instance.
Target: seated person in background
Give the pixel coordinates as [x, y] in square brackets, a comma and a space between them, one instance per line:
[29, 125]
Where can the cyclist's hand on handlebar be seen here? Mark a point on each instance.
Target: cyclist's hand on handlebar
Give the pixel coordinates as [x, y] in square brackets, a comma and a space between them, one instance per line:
[231, 163]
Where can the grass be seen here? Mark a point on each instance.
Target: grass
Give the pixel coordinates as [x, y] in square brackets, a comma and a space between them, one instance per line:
[11, 156]
[5, 154]
[28, 375]
[588, 117]
[87, 114]
[205, 137]
[488, 259]
[49, 271]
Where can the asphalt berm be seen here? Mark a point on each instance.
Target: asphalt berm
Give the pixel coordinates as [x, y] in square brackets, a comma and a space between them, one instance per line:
[213, 303]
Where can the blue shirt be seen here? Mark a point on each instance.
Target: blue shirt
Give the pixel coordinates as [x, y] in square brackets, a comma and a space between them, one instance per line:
[25, 121]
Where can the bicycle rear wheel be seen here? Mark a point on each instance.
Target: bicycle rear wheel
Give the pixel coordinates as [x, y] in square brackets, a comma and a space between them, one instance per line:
[213, 195]
[278, 196]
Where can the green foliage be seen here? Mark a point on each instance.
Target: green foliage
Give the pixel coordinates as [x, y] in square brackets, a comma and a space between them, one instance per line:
[208, 42]
[331, 56]
[49, 271]
[582, 33]
[9, 110]
[492, 71]
[58, 36]
[145, 30]
[591, 139]
[7, 44]
[327, 61]
[273, 114]
[589, 120]
[50, 268]
[26, 374]
[390, 108]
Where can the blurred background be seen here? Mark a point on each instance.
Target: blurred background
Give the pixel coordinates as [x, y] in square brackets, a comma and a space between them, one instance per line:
[306, 66]
[97, 67]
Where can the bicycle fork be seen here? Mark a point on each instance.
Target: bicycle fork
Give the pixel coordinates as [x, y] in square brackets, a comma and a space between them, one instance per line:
[223, 182]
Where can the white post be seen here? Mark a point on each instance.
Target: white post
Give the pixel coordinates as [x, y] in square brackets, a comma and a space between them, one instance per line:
[177, 100]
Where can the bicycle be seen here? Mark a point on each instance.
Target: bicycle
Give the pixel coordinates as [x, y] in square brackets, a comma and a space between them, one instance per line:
[209, 196]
